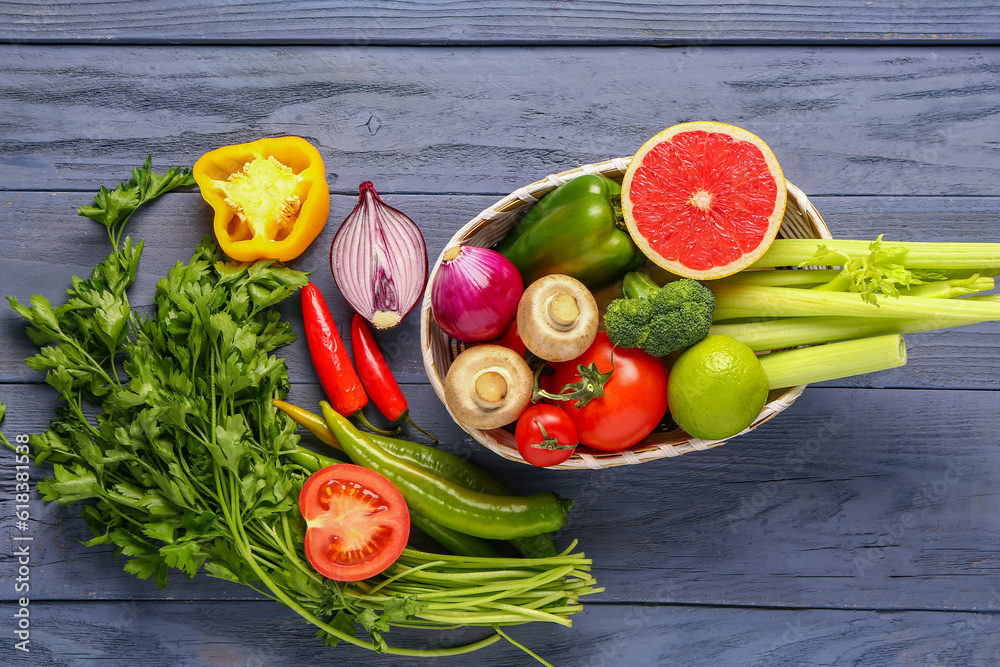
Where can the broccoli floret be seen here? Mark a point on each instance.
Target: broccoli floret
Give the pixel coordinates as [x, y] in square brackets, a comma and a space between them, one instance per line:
[675, 295]
[627, 321]
[660, 319]
[678, 328]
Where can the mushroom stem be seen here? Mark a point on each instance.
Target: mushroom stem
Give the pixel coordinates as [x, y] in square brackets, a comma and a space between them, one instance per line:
[491, 386]
[563, 311]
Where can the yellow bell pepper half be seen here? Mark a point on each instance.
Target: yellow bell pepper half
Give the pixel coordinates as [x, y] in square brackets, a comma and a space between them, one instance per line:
[270, 197]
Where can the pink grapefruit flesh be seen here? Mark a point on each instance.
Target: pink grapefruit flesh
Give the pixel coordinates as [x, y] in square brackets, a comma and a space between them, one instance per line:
[703, 200]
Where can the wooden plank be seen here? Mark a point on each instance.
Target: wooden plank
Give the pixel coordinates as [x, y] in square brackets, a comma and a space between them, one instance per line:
[33, 261]
[852, 498]
[264, 634]
[512, 22]
[857, 121]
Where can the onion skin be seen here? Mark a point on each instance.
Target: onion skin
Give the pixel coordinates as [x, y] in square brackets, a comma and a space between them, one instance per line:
[379, 260]
[475, 293]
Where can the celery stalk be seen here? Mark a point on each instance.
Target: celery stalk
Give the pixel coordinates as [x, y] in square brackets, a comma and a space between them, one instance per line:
[949, 289]
[782, 277]
[733, 301]
[833, 361]
[919, 255]
[794, 331]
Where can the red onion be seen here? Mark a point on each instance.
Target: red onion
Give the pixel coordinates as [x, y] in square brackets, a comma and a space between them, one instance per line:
[379, 260]
[475, 293]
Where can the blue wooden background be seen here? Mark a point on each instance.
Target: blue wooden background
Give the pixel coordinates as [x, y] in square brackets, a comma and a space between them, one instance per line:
[858, 528]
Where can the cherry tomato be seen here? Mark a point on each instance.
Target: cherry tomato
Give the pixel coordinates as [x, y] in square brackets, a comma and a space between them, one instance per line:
[357, 522]
[634, 401]
[545, 435]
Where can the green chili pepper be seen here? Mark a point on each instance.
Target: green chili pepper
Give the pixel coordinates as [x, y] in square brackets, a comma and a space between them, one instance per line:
[451, 505]
[437, 461]
[457, 543]
[577, 229]
[311, 461]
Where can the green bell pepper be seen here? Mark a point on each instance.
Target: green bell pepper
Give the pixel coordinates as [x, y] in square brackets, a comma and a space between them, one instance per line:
[576, 229]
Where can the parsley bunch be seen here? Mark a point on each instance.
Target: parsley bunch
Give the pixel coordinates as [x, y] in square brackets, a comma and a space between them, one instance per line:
[189, 466]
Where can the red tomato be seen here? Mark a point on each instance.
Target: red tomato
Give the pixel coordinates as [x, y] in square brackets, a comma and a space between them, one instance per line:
[545, 384]
[511, 340]
[537, 428]
[357, 522]
[634, 401]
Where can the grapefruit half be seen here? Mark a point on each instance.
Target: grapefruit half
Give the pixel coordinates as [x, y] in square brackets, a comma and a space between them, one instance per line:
[703, 200]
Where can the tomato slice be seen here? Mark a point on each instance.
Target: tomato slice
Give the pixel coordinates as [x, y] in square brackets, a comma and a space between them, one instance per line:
[357, 522]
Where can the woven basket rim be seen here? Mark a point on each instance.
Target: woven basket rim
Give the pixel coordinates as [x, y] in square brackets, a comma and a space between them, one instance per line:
[802, 220]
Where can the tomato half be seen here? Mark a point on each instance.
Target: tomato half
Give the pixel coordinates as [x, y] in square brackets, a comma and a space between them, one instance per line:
[545, 435]
[357, 522]
[634, 401]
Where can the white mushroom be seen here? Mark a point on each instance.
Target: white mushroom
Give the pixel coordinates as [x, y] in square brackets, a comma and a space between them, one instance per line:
[488, 386]
[557, 317]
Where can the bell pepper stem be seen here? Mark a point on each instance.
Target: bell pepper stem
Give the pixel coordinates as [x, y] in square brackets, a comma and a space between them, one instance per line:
[638, 285]
[616, 209]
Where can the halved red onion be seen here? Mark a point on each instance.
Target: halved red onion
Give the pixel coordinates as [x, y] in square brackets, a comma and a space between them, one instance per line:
[475, 292]
[379, 260]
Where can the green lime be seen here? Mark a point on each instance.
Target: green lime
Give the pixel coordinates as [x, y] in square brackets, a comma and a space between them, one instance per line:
[716, 388]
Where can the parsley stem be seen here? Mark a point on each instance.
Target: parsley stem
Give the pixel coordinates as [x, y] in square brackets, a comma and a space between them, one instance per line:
[74, 403]
[267, 533]
[289, 551]
[196, 483]
[94, 366]
[114, 367]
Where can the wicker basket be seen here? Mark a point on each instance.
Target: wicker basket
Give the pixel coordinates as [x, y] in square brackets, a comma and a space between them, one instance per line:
[801, 220]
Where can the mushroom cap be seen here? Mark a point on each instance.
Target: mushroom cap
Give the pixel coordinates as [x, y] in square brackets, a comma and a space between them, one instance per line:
[463, 398]
[540, 326]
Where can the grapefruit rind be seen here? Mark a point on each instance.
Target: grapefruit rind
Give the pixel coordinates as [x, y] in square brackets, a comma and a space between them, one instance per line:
[703, 200]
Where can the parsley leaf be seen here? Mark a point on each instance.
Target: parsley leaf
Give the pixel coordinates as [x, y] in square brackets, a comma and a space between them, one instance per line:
[113, 208]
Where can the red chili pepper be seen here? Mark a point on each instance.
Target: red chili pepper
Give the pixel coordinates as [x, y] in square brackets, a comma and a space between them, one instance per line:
[329, 356]
[376, 376]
